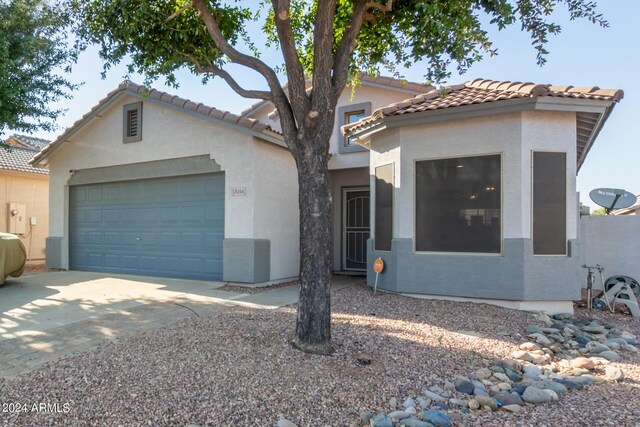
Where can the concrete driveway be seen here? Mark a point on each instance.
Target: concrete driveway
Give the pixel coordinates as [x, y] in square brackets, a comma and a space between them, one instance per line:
[46, 316]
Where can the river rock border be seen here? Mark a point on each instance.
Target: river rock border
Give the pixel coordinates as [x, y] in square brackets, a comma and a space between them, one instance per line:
[560, 356]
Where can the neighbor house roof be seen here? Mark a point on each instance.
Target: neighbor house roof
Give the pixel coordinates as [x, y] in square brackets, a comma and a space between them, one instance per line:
[253, 126]
[17, 159]
[480, 92]
[29, 142]
[365, 79]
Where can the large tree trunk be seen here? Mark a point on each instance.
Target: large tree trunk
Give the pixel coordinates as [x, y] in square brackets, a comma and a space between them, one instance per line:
[313, 327]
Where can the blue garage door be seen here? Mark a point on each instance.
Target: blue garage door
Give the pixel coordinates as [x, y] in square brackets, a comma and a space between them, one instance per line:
[170, 227]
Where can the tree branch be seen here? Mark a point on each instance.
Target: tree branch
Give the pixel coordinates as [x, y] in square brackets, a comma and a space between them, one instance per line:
[179, 11]
[323, 58]
[279, 98]
[383, 8]
[346, 47]
[214, 69]
[295, 73]
[234, 55]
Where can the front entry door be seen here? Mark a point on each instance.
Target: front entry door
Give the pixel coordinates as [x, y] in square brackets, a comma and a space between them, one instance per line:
[355, 228]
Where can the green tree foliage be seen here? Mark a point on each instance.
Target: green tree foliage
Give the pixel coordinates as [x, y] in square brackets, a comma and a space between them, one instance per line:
[34, 54]
[327, 43]
[599, 212]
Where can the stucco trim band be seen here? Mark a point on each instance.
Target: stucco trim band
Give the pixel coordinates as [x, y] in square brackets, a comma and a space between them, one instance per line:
[516, 275]
[195, 165]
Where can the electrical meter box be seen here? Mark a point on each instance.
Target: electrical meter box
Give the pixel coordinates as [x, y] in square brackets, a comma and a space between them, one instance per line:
[17, 218]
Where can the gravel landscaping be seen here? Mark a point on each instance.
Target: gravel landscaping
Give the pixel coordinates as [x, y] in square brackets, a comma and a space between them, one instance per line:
[236, 368]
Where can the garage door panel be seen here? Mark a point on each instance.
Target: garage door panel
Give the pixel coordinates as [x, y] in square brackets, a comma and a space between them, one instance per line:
[112, 238]
[129, 238]
[170, 264]
[192, 240]
[169, 239]
[211, 266]
[95, 238]
[129, 216]
[149, 191]
[112, 215]
[112, 193]
[94, 194]
[169, 226]
[80, 195]
[94, 216]
[112, 261]
[192, 215]
[129, 262]
[192, 264]
[128, 192]
[149, 239]
[95, 259]
[170, 215]
[149, 216]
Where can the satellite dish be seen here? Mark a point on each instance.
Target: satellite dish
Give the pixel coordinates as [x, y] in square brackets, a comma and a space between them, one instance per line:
[612, 198]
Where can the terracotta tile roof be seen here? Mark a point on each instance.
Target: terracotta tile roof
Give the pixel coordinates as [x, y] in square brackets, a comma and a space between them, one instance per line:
[29, 142]
[381, 80]
[482, 91]
[198, 108]
[17, 159]
[394, 82]
[163, 98]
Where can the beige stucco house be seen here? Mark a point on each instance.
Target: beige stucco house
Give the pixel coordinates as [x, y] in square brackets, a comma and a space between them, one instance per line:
[466, 192]
[25, 194]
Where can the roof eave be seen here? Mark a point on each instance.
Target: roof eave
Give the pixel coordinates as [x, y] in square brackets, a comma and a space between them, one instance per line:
[594, 134]
[485, 109]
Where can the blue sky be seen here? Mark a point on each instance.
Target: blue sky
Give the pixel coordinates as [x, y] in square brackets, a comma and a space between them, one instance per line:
[582, 55]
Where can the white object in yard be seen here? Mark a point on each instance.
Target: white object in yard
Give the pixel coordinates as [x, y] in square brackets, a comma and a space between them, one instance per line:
[629, 299]
[17, 218]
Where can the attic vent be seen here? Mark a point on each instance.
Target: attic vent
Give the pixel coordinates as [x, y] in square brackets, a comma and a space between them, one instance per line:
[132, 126]
[132, 123]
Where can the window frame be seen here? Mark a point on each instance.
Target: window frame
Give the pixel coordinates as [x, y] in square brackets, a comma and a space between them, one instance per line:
[566, 204]
[343, 111]
[502, 190]
[125, 115]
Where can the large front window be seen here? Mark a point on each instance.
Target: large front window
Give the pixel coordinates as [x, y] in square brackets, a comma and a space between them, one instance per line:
[458, 204]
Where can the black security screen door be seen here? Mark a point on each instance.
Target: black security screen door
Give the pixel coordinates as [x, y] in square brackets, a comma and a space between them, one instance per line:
[356, 228]
[458, 206]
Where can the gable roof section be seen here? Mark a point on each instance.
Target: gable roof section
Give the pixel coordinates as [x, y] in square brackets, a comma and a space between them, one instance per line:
[17, 159]
[251, 126]
[28, 142]
[365, 79]
[490, 95]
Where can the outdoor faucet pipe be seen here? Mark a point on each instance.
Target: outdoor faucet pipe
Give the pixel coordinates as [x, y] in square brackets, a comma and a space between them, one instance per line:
[590, 279]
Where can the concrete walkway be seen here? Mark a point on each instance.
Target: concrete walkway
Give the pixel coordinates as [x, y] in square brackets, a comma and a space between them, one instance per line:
[48, 316]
